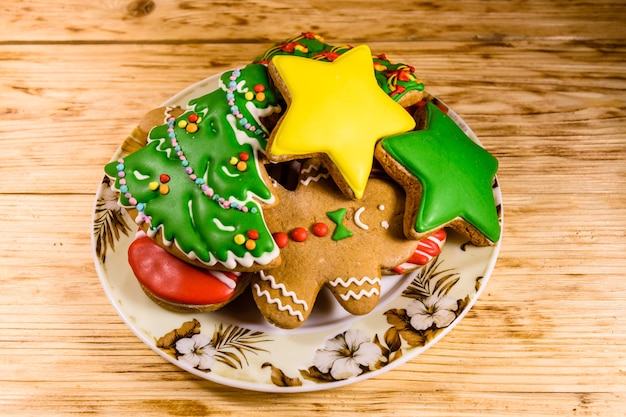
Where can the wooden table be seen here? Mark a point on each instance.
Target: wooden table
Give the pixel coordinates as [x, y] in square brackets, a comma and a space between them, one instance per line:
[542, 83]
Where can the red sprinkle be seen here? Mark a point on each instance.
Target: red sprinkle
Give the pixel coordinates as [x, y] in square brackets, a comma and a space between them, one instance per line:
[243, 156]
[164, 178]
[299, 234]
[193, 118]
[320, 229]
[281, 239]
[259, 88]
[252, 234]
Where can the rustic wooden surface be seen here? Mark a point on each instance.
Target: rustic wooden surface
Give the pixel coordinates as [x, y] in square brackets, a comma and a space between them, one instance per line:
[543, 84]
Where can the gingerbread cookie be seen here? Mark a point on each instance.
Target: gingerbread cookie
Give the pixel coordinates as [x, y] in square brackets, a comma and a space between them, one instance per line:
[427, 249]
[345, 95]
[198, 185]
[447, 177]
[328, 240]
[327, 86]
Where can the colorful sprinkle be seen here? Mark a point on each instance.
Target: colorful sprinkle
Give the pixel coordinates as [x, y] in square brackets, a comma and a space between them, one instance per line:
[252, 234]
[250, 244]
[164, 189]
[153, 186]
[234, 109]
[208, 191]
[239, 239]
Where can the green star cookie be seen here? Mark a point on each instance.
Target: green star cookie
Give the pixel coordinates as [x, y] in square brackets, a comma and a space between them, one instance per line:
[447, 177]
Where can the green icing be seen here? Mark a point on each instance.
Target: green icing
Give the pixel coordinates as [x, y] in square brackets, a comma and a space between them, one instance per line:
[200, 223]
[341, 231]
[395, 79]
[456, 174]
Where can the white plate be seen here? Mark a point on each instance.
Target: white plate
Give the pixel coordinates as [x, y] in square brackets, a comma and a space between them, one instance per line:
[236, 347]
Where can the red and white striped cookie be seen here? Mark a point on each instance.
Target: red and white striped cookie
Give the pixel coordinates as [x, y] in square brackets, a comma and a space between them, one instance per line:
[426, 250]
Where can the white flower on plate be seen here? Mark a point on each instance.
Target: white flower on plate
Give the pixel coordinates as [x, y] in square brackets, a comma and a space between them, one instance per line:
[109, 198]
[197, 350]
[432, 310]
[346, 354]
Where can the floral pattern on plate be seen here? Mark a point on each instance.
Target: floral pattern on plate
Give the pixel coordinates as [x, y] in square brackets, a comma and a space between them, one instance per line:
[236, 347]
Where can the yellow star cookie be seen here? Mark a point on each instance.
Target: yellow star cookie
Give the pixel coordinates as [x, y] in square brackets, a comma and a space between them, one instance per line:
[336, 111]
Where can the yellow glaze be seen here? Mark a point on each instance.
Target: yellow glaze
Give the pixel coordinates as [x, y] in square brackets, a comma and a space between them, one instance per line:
[337, 109]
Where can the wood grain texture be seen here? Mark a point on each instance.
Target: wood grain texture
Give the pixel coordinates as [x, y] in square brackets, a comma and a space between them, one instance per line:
[542, 83]
[355, 20]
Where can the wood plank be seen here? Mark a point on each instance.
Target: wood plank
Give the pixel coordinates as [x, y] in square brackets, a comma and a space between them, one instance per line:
[542, 83]
[549, 322]
[348, 21]
[552, 114]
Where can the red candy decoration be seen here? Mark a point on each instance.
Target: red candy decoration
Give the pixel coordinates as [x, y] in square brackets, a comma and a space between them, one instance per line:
[281, 239]
[164, 178]
[173, 280]
[299, 234]
[252, 234]
[193, 118]
[243, 156]
[320, 229]
[259, 88]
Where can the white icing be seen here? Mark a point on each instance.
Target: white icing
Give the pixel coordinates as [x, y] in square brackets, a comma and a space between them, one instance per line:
[278, 303]
[307, 170]
[307, 180]
[242, 138]
[162, 142]
[222, 226]
[312, 165]
[353, 280]
[357, 219]
[224, 278]
[428, 256]
[385, 224]
[361, 294]
[283, 290]
[191, 216]
[227, 172]
[140, 176]
[381, 207]
[241, 87]
[438, 241]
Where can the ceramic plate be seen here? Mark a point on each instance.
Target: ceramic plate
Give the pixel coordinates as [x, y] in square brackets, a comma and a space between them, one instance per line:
[236, 347]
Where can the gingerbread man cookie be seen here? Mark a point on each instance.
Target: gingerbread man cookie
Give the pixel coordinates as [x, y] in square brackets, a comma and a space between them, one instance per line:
[328, 240]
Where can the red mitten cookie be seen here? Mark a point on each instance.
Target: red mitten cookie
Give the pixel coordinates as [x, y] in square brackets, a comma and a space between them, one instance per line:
[179, 286]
